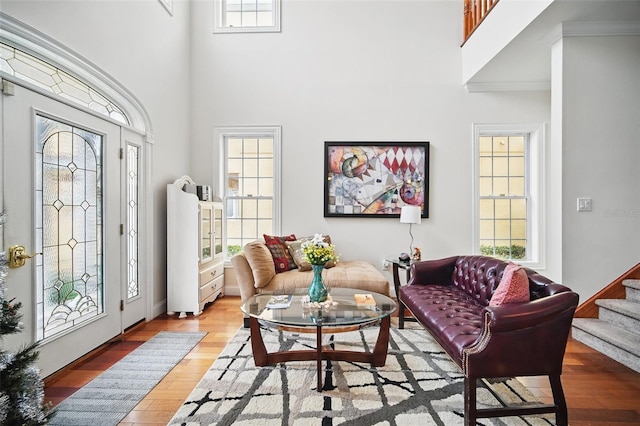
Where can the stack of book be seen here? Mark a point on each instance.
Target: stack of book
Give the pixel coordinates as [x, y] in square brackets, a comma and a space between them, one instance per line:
[364, 300]
[280, 301]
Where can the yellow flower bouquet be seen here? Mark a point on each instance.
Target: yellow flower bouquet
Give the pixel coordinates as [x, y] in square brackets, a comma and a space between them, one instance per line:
[317, 251]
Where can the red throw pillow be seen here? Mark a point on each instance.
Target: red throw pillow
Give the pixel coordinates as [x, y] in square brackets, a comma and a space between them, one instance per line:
[281, 256]
[513, 287]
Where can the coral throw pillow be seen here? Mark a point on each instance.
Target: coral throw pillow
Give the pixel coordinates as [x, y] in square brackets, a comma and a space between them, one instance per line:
[513, 287]
[278, 248]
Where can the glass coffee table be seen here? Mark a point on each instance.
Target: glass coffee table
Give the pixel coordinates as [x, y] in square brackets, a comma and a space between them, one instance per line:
[340, 317]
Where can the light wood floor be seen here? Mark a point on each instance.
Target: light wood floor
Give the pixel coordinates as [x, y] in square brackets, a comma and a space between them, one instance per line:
[599, 391]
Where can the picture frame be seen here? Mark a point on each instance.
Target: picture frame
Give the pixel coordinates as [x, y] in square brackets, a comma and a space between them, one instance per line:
[375, 179]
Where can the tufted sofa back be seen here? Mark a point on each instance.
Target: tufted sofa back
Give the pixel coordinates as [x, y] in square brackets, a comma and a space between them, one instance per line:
[479, 276]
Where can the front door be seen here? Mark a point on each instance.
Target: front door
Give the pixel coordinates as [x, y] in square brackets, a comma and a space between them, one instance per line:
[62, 196]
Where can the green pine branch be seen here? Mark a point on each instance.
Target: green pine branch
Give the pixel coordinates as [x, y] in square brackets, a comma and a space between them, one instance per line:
[10, 317]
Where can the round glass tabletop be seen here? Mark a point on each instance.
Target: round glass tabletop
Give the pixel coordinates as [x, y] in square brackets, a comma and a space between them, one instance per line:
[342, 311]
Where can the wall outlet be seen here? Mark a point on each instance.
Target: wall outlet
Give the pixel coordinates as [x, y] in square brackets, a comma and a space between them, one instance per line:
[584, 204]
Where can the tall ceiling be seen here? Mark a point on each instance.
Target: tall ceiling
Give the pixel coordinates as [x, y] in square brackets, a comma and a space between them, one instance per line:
[527, 59]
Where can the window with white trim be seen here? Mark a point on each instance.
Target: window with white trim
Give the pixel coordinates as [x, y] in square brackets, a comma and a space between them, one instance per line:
[250, 184]
[507, 188]
[246, 16]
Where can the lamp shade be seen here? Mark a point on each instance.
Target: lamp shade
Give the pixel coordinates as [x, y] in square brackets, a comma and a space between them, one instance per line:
[410, 214]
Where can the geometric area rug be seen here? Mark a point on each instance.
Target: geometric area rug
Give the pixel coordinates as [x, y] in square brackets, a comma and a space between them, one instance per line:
[108, 398]
[418, 385]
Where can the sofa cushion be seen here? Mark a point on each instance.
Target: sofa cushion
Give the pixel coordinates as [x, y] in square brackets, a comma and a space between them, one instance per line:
[261, 263]
[295, 249]
[282, 259]
[348, 274]
[513, 287]
[453, 317]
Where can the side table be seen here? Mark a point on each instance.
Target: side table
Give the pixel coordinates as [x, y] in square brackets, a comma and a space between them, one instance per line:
[398, 264]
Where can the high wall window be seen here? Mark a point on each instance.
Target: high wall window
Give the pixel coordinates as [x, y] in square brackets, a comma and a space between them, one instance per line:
[247, 16]
[507, 204]
[251, 191]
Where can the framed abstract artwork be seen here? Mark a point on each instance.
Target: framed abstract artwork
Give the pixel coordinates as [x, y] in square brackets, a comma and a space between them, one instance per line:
[375, 179]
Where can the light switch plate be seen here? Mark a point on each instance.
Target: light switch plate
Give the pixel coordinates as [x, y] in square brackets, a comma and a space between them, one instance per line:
[584, 204]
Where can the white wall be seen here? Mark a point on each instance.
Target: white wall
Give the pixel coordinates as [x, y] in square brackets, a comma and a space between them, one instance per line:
[600, 150]
[356, 71]
[146, 49]
[352, 71]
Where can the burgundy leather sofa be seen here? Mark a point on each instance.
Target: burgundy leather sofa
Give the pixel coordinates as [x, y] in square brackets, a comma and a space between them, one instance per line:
[450, 299]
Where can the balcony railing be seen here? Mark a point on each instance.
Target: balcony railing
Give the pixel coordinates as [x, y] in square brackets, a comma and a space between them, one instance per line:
[474, 13]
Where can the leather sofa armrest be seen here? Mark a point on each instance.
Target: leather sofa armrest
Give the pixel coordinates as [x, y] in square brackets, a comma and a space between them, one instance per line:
[516, 316]
[527, 339]
[433, 271]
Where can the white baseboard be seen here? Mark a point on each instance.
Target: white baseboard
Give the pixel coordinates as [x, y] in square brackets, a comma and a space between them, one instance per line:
[159, 309]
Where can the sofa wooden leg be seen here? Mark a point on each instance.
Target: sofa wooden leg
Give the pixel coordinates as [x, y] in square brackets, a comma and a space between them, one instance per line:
[562, 418]
[469, 401]
[400, 314]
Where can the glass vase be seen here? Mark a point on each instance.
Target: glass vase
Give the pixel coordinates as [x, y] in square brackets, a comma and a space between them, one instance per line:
[317, 289]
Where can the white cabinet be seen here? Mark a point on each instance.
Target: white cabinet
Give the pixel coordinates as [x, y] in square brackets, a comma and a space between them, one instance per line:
[195, 265]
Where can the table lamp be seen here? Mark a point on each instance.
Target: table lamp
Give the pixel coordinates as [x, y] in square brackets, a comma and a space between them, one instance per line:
[410, 214]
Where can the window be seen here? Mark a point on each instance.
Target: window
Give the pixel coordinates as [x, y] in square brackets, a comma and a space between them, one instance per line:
[250, 179]
[507, 191]
[247, 16]
[132, 156]
[52, 79]
[69, 203]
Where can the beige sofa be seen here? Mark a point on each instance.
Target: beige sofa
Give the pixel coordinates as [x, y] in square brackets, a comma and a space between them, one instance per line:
[254, 268]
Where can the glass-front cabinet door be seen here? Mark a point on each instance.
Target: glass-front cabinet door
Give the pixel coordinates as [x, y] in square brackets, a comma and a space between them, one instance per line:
[206, 232]
[217, 229]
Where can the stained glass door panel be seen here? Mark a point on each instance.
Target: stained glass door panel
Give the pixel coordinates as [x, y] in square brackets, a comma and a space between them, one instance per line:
[68, 195]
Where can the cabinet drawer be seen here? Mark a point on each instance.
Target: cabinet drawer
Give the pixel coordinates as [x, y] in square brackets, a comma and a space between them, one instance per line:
[212, 272]
[211, 287]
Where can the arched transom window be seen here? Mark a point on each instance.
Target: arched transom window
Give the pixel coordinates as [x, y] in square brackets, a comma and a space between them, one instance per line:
[48, 77]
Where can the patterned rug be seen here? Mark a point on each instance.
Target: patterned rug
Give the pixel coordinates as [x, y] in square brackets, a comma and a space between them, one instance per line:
[108, 398]
[419, 385]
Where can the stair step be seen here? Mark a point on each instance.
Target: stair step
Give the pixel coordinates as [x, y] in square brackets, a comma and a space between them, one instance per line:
[623, 306]
[632, 289]
[613, 341]
[620, 312]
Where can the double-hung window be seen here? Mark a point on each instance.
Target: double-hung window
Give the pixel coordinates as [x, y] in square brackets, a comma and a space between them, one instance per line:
[247, 16]
[250, 183]
[508, 192]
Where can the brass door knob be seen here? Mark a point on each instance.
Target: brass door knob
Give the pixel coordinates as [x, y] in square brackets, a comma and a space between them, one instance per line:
[18, 256]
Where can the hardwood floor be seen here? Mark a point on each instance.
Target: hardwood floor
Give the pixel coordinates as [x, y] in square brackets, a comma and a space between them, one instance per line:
[599, 391]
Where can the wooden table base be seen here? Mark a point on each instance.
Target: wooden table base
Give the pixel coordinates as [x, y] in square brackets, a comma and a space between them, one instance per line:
[377, 358]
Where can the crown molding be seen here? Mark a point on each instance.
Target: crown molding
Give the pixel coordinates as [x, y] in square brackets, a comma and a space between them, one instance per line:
[593, 29]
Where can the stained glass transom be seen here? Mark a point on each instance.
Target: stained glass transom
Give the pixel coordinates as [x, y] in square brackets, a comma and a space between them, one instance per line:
[133, 284]
[46, 76]
[68, 226]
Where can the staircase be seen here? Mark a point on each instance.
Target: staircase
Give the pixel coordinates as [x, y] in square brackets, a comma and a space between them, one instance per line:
[616, 331]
